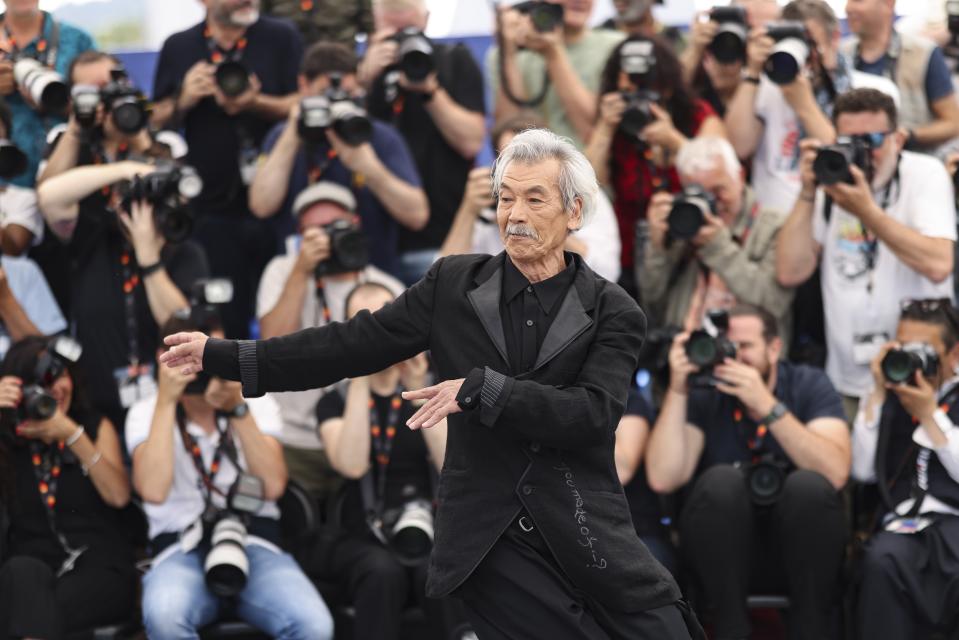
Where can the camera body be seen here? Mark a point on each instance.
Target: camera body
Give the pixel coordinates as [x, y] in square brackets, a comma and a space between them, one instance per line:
[833, 161]
[37, 403]
[334, 109]
[122, 102]
[349, 249]
[206, 296]
[789, 54]
[707, 349]
[729, 43]
[227, 566]
[900, 365]
[545, 16]
[169, 190]
[688, 214]
[232, 77]
[414, 54]
[637, 115]
[44, 85]
[637, 60]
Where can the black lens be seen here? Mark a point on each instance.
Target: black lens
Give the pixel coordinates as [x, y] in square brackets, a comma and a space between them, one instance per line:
[417, 65]
[546, 17]
[685, 220]
[55, 97]
[174, 222]
[38, 404]
[352, 249]
[199, 385]
[781, 67]
[899, 366]
[232, 78]
[765, 483]
[634, 121]
[728, 47]
[831, 165]
[354, 130]
[128, 115]
[701, 349]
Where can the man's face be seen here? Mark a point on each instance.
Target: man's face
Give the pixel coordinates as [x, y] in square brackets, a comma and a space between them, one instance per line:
[727, 190]
[930, 334]
[371, 299]
[23, 7]
[234, 13]
[826, 43]
[868, 17]
[399, 19]
[746, 332]
[321, 214]
[576, 13]
[632, 11]
[885, 156]
[759, 12]
[321, 83]
[530, 214]
[94, 73]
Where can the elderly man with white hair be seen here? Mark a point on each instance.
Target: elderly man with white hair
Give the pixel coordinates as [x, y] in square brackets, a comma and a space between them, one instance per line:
[534, 354]
[686, 270]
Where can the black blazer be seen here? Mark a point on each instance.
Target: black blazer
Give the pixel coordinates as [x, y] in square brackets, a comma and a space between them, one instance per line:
[550, 448]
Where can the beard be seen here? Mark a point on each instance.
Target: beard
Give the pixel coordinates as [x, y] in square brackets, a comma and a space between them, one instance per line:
[245, 17]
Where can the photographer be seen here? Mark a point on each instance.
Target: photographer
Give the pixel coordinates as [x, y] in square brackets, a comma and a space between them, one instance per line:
[308, 289]
[363, 429]
[196, 447]
[439, 111]
[767, 450]
[69, 567]
[769, 114]
[125, 277]
[380, 171]
[20, 221]
[712, 245]
[929, 112]
[556, 72]
[225, 82]
[646, 116]
[905, 440]
[883, 229]
[29, 34]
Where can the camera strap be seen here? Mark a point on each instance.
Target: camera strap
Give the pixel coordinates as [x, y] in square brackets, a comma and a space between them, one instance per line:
[131, 278]
[225, 445]
[46, 47]
[381, 442]
[218, 54]
[755, 441]
[47, 461]
[323, 310]
[504, 81]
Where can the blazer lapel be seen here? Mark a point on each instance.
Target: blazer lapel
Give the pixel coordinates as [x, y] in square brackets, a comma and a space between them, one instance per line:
[570, 322]
[485, 301]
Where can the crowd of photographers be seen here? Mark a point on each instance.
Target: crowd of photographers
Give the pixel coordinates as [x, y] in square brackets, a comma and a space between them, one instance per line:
[779, 200]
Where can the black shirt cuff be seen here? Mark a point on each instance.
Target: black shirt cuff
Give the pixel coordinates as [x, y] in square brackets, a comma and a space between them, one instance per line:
[220, 359]
[469, 396]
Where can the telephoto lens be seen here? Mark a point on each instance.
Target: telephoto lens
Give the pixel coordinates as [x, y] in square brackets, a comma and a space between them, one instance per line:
[688, 214]
[790, 52]
[900, 365]
[233, 78]
[729, 43]
[13, 161]
[415, 54]
[46, 87]
[227, 566]
[412, 536]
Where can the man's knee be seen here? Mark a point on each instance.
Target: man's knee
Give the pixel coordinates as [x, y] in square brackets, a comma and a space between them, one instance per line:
[307, 623]
[719, 488]
[380, 569]
[807, 494]
[166, 612]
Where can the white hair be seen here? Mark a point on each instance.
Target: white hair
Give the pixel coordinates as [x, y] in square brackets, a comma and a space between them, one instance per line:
[705, 154]
[576, 176]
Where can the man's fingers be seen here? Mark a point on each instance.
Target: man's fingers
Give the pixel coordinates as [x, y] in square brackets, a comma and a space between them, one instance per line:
[440, 414]
[175, 339]
[420, 394]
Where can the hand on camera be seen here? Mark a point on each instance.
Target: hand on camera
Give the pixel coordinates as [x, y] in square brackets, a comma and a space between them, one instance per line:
[808, 148]
[512, 28]
[224, 395]
[139, 224]
[798, 91]
[479, 191]
[186, 351]
[662, 132]
[701, 32]
[11, 392]
[56, 428]
[875, 366]
[379, 55]
[545, 44]
[657, 214]
[440, 402]
[680, 368]
[855, 198]
[918, 399]
[243, 102]
[745, 383]
[7, 82]
[198, 83]
[360, 159]
[758, 48]
[429, 85]
[712, 225]
[314, 249]
[171, 383]
[611, 109]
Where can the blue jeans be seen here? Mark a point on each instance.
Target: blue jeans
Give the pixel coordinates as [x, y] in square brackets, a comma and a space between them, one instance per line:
[278, 598]
[415, 264]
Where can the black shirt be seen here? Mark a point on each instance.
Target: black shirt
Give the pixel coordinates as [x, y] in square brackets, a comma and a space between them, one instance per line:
[273, 53]
[643, 501]
[805, 391]
[443, 170]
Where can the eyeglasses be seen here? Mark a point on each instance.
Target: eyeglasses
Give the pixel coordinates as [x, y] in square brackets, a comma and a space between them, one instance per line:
[875, 138]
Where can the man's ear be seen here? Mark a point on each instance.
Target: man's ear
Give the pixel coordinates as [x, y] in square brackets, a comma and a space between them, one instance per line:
[775, 349]
[901, 136]
[575, 221]
[301, 83]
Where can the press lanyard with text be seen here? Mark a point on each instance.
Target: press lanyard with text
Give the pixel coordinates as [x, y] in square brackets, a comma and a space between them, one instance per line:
[382, 440]
[47, 466]
[225, 445]
[920, 485]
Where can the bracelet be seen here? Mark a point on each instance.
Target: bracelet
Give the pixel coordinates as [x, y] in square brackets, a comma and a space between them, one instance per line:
[805, 199]
[72, 440]
[151, 269]
[93, 461]
[751, 79]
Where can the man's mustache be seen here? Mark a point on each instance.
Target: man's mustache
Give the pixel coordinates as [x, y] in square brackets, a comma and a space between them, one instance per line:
[522, 230]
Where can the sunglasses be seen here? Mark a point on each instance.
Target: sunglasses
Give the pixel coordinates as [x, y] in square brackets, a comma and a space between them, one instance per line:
[874, 139]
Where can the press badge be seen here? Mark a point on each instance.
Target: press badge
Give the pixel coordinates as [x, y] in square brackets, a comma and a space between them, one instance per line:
[908, 525]
[134, 382]
[249, 162]
[866, 346]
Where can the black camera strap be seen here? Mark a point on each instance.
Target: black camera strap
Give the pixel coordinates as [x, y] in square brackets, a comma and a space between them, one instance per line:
[46, 48]
[225, 446]
[131, 279]
[892, 56]
[47, 462]
[504, 81]
[218, 54]
[381, 441]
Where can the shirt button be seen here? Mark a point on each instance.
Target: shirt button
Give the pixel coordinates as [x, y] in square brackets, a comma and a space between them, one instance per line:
[534, 447]
[527, 489]
[467, 399]
[529, 323]
[529, 289]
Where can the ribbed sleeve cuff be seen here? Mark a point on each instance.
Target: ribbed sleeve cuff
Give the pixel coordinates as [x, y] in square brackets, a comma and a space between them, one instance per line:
[220, 359]
[249, 372]
[496, 391]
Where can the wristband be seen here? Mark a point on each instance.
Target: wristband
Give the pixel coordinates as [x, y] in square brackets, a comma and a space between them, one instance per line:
[239, 411]
[751, 79]
[72, 440]
[150, 269]
[85, 468]
[777, 412]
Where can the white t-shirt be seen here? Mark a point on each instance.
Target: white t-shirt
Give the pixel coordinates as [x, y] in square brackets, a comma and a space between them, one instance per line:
[775, 174]
[298, 408]
[186, 501]
[600, 235]
[18, 205]
[924, 203]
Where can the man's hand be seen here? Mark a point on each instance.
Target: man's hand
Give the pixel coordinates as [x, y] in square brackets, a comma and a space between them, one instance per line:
[314, 249]
[513, 27]
[11, 392]
[198, 83]
[545, 44]
[380, 54]
[359, 159]
[798, 91]
[879, 380]
[224, 395]
[6, 294]
[919, 401]
[701, 32]
[440, 402]
[680, 368]
[243, 102]
[658, 216]
[479, 191]
[808, 149]
[745, 382]
[855, 198]
[429, 85]
[712, 225]
[7, 83]
[147, 241]
[611, 109]
[758, 48]
[186, 351]
[661, 132]
[171, 383]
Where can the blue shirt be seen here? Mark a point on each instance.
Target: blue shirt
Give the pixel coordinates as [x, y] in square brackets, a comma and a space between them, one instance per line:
[31, 291]
[381, 228]
[938, 83]
[29, 127]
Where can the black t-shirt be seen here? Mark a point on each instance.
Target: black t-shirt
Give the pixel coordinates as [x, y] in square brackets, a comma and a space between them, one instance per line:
[643, 501]
[273, 53]
[408, 472]
[805, 391]
[442, 169]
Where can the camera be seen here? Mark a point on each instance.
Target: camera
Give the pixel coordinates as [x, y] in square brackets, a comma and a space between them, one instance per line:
[334, 109]
[637, 115]
[689, 211]
[13, 161]
[637, 60]
[168, 190]
[729, 43]
[206, 296]
[545, 16]
[901, 365]
[349, 249]
[412, 536]
[790, 52]
[832, 162]
[654, 355]
[415, 54]
[123, 103]
[765, 479]
[46, 87]
[706, 348]
[232, 77]
[227, 566]
[37, 402]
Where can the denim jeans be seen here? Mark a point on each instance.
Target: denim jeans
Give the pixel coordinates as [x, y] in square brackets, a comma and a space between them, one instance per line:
[278, 598]
[415, 264]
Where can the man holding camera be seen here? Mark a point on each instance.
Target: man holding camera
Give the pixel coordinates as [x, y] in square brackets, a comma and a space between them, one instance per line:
[712, 245]
[905, 441]
[929, 112]
[767, 449]
[36, 52]
[547, 58]
[327, 137]
[209, 469]
[882, 228]
[309, 289]
[226, 81]
[433, 94]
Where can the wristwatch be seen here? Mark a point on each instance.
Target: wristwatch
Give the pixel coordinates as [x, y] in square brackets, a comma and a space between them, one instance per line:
[239, 411]
[777, 412]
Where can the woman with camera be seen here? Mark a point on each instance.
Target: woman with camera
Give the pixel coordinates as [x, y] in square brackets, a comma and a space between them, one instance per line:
[647, 113]
[365, 435]
[68, 566]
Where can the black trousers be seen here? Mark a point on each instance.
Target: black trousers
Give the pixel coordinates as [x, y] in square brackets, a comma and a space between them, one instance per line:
[910, 583]
[733, 549]
[519, 592]
[35, 604]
